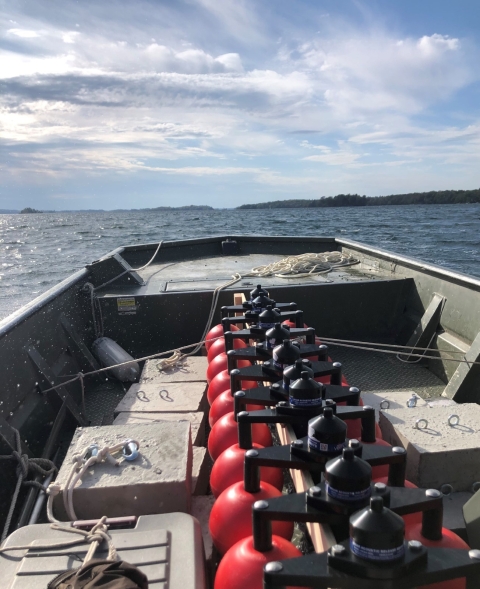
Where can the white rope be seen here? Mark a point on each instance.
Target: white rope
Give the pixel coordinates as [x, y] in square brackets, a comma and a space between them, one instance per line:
[149, 261]
[304, 265]
[80, 465]
[97, 535]
[177, 358]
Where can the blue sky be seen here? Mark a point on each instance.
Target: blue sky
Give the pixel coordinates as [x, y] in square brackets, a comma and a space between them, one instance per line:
[122, 104]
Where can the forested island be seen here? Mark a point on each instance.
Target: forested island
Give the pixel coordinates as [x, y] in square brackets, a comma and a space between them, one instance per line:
[29, 211]
[439, 197]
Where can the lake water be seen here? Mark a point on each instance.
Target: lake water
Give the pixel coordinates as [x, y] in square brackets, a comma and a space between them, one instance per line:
[38, 251]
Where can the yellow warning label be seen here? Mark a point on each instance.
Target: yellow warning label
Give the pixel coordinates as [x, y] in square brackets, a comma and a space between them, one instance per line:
[126, 306]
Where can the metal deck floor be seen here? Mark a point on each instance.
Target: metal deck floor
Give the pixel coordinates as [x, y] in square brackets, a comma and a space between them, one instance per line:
[374, 372]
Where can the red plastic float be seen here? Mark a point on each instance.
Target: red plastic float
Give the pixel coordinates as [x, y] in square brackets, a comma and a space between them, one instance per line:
[289, 323]
[242, 566]
[220, 363]
[219, 346]
[221, 383]
[228, 470]
[223, 404]
[231, 515]
[448, 540]
[216, 332]
[354, 429]
[225, 434]
[379, 472]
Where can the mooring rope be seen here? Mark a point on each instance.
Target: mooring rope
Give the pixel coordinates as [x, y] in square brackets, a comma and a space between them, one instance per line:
[304, 265]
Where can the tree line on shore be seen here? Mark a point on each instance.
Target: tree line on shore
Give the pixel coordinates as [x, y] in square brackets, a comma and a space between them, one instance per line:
[438, 197]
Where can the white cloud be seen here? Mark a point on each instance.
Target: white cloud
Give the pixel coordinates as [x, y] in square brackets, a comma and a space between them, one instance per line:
[23, 33]
[339, 158]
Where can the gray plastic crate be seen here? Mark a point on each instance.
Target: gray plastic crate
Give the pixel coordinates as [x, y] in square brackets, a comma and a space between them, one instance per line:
[168, 548]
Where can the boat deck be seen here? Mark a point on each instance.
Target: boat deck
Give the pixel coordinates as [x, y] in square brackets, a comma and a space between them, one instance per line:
[208, 273]
[374, 372]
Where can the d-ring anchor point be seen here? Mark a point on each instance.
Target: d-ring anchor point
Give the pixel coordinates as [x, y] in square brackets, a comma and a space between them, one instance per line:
[453, 420]
[421, 424]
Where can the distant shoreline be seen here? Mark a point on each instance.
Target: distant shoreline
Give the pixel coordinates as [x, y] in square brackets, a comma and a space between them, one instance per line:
[434, 197]
[439, 197]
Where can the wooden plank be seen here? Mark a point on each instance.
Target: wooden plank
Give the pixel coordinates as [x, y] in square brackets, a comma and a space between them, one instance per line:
[321, 535]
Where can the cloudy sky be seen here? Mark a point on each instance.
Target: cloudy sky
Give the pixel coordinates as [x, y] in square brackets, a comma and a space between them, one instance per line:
[130, 104]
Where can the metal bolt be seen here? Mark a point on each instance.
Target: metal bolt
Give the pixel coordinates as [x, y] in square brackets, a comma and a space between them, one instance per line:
[240, 394]
[273, 567]
[421, 424]
[453, 420]
[398, 450]
[267, 363]
[338, 550]
[353, 443]
[385, 404]
[433, 493]
[260, 505]
[367, 408]
[315, 491]
[234, 372]
[282, 404]
[380, 487]
[243, 413]
[353, 390]
[275, 386]
[297, 443]
[337, 365]
[474, 554]
[415, 545]
[251, 453]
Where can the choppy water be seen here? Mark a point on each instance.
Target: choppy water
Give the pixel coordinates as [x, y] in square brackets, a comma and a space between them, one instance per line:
[37, 251]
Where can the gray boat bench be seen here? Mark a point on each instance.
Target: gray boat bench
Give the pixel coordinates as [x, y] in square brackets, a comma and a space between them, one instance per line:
[168, 548]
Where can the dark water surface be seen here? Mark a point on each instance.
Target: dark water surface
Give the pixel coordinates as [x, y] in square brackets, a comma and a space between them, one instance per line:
[38, 251]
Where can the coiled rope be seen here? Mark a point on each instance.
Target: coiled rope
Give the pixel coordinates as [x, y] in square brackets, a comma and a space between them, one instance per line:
[304, 265]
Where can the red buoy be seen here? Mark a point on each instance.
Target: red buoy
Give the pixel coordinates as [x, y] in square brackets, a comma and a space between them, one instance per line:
[228, 470]
[242, 566]
[354, 429]
[220, 363]
[289, 323]
[448, 540]
[219, 346]
[379, 472]
[221, 383]
[225, 434]
[231, 516]
[223, 404]
[216, 332]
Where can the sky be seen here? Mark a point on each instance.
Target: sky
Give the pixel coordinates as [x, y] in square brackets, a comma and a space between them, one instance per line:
[131, 104]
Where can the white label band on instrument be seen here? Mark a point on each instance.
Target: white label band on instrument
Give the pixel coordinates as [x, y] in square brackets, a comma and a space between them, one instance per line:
[348, 495]
[377, 554]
